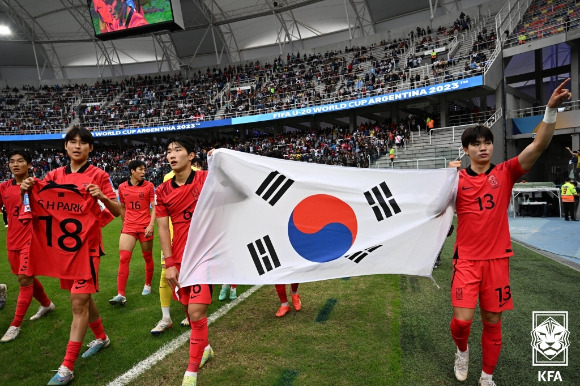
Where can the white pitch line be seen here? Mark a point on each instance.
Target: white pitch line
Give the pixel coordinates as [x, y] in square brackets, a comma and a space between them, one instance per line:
[173, 345]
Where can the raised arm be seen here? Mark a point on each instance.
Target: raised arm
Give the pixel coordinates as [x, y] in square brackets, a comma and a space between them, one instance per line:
[546, 130]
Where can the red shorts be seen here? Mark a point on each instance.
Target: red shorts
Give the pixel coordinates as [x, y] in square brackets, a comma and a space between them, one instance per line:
[194, 294]
[18, 260]
[487, 279]
[89, 286]
[137, 232]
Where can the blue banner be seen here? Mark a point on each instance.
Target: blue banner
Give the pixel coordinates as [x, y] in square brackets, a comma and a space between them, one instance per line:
[340, 106]
[369, 101]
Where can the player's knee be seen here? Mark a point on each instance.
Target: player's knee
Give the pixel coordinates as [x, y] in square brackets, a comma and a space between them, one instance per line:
[196, 313]
[80, 303]
[163, 282]
[25, 281]
[490, 317]
[125, 257]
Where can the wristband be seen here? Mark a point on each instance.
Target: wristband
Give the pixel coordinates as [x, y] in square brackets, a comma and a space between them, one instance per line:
[550, 115]
[169, 262]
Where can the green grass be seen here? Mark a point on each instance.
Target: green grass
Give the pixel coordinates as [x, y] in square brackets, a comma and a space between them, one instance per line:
[382, 330]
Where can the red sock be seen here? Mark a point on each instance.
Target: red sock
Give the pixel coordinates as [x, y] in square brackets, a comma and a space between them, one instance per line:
[72, 352]
[460, 330]
[24, 300]
[281, 289]
[98, 329]
[149, 265]
[123, 271]
[197, 342]
[39, 293]
[294, 287]
[490, 345]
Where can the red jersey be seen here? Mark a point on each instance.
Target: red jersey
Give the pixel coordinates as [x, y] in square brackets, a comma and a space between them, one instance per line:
[134, 19]
[66, 231]
[137, 200]
[88, 174]
[178, 202]
[18, 235]
[482, 202]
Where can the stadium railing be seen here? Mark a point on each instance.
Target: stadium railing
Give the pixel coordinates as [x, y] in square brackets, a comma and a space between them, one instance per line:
[457, 129]
[539, 110]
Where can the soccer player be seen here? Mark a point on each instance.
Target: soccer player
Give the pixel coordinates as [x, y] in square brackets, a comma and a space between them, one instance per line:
[176, 199]
[125, 14]
[67, 226]
[165, 293]
[136, 195]
[18, 245]
[483, 246]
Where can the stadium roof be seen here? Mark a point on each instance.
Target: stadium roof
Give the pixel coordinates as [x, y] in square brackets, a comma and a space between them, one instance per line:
[58, 34]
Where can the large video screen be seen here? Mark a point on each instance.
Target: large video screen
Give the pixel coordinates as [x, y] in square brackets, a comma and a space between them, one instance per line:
[118, 18]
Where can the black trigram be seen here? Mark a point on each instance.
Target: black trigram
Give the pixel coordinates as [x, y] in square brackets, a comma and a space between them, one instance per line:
[274, 187]
[358, 256]
[382, 201]
[264, 255]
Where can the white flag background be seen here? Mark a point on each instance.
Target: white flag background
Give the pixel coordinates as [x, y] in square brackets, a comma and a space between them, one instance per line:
[262, 220]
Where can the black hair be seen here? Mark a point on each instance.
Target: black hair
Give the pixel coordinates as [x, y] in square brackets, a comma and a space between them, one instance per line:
[472, 134]
[184, 141]
[133, 165]
[83, 133]
[26, 155]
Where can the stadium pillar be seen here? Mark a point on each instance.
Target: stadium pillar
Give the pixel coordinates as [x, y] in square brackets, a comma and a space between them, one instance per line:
[314, 123]
[575, 141]
[278, 128]
[574, 81]
[538, 77]
[503, 142]
[443, 113]
[352, 125]
[395, 114]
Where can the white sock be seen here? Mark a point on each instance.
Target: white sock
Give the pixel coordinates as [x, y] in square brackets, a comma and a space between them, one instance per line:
[485, 375]
[285, 304]
[165, 313]
[207, 348]
[293, 293]
[190, 374]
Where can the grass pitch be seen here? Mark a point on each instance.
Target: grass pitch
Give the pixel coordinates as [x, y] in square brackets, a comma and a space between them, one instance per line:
[374, 330]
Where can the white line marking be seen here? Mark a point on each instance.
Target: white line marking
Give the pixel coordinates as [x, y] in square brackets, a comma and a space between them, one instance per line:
[173, 345]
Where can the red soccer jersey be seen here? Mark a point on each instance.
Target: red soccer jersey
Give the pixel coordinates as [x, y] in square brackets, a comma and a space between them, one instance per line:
[178, 202]
[88, 174]
[134, 19]
[137, 199]
[482, 202]
[66, 231]
[18, 235]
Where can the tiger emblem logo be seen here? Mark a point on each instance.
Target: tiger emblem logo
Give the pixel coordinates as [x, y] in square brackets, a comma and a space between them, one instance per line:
[550, 338]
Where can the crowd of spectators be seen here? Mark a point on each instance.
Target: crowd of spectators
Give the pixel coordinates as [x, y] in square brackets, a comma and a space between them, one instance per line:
[332, 146]
[298, 80]
[544, 18]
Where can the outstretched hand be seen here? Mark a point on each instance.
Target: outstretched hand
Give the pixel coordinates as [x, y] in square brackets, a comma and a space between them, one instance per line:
[559, 95]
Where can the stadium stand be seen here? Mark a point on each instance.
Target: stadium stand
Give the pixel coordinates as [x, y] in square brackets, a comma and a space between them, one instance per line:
[546, 18]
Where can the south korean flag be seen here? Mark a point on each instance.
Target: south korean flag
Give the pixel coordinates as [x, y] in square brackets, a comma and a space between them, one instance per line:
[269, 221]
